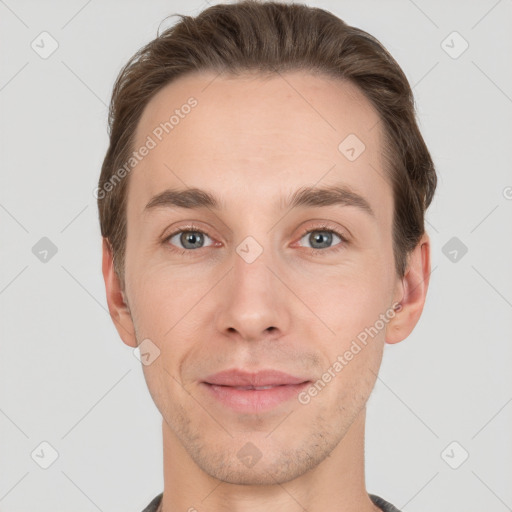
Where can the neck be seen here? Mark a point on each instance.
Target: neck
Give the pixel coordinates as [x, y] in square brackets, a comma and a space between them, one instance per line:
[337, 484]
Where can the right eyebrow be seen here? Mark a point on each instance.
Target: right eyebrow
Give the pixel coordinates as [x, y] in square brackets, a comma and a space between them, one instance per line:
[188, 198]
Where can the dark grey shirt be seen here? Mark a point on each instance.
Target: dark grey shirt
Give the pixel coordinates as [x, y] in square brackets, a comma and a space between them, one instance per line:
[382, 504]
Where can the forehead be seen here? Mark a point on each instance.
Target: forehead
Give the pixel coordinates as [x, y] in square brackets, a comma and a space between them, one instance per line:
[255, 134]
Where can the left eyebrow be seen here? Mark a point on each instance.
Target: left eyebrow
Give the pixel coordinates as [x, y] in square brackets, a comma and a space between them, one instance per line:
[328, 196]
[195, 198]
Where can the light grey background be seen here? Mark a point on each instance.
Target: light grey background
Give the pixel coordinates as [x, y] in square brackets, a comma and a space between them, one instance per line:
[67, 379]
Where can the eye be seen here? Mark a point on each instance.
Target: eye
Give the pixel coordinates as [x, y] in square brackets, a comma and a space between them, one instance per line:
[323, 238]
[319, 240]
[188, 239]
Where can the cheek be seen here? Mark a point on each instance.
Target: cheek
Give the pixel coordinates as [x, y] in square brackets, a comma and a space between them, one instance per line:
[169, 310]
[352, 356]
[160, 297]
[355, 308]
[350, 300]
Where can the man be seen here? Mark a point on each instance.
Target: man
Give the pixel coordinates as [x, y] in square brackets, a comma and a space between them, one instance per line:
[262, 206]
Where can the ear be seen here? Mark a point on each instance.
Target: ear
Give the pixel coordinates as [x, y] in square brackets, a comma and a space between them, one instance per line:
[116, 299]
[413, 286]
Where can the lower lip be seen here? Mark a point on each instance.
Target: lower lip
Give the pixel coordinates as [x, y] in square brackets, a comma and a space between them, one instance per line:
[253, 400]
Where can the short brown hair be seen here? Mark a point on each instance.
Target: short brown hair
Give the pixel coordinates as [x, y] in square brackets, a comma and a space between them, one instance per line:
[272, 37]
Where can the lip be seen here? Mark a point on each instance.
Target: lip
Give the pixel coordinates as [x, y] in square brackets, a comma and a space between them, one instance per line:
[236, 389]
[269, 377]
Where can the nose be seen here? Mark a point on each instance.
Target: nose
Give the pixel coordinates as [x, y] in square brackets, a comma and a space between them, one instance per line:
[253, 303]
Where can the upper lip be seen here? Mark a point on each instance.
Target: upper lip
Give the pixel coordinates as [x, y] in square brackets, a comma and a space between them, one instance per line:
[236, 377]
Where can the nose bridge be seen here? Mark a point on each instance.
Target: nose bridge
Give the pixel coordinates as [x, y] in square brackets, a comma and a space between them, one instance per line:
[253, 300]
[250, 266]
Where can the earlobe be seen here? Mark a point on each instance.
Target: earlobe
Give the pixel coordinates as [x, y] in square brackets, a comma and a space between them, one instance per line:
[116, 298]
[414, 286]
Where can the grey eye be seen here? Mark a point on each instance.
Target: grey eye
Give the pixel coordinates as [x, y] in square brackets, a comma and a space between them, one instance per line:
[320, 239]
[189, 239]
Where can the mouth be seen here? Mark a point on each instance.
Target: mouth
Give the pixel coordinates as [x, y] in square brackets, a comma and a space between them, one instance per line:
[253, 392]
[256, 388]
[260, 379]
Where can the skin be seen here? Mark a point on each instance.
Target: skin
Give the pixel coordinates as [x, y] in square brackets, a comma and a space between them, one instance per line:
[252, 141]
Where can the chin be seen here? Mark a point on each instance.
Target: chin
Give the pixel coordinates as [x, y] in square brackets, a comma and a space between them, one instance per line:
[249, 465]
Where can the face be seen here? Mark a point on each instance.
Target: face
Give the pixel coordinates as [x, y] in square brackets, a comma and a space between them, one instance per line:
[261, 280]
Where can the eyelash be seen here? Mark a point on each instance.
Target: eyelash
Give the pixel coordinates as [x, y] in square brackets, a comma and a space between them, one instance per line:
[329, 250]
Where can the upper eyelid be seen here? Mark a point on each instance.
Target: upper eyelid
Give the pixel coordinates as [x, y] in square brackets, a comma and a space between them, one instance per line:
[185, 229]
[200, 230]
[323, 228]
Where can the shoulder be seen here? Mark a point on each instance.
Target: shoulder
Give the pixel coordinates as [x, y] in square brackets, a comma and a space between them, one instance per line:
[377, 500]
[383, 504]
[153, 506]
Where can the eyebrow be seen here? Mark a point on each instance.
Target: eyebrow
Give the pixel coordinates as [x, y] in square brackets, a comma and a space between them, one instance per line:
[195, 198]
